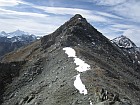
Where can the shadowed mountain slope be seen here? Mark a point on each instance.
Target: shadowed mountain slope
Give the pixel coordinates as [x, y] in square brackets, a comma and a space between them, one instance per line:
[75, 65]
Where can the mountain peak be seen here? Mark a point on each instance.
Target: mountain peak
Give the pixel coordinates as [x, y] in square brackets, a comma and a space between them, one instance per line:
[77, 16]
[76, 19]
[3, 33]
[18, 33]
[75, 32]
[124, 42]
[72, 31]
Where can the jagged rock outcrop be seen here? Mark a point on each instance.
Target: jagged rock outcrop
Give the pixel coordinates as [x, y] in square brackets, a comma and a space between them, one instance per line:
[75, 65]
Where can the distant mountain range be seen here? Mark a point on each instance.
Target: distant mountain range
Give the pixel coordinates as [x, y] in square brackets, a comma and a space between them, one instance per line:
[13, 40]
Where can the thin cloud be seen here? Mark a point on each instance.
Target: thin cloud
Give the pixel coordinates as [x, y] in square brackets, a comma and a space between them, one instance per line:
[32, 24]
[72, 11]
[89, 14]
[27, 25]
[108, 2]
[9, 2]
[122, 26]
[10, 12]
[108, 15]
[130, 10]
[133, 34]
[110, 32]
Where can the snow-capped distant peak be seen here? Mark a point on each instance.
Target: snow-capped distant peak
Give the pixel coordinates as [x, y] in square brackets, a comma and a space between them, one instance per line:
[13, 34]
[3, 34]
[123, 42]
[17, 33]
[17, 36]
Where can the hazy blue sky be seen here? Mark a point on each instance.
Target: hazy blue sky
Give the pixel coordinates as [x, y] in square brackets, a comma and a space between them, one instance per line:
[111, 17]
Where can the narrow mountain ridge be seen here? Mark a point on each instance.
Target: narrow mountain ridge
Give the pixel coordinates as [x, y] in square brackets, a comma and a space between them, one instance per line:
[75, 65]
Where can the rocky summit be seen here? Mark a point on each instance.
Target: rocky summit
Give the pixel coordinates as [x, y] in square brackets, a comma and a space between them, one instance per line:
[75, 65]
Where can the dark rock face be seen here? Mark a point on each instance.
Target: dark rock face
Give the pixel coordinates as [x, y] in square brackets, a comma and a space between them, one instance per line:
[7, 72]
[50, 75]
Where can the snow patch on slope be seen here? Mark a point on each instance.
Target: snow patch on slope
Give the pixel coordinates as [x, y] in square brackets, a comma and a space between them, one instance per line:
[91, 102]
[79, 85]
[70, 52]
[82, 66]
